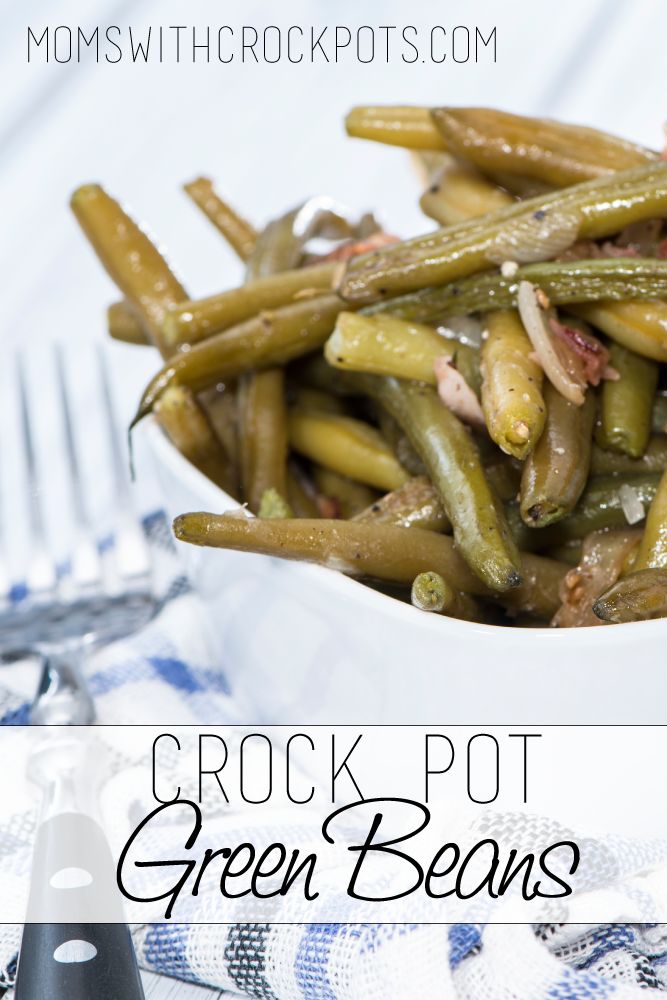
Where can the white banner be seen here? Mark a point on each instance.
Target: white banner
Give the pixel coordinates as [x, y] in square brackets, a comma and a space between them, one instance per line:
[333, 824]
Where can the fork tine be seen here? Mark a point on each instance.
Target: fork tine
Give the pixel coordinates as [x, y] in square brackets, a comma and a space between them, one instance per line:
[70, 448]
[41, 578]
[132, 555]
[85, 564]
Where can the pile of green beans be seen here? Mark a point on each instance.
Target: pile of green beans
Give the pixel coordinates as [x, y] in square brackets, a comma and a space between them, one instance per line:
[403, 411]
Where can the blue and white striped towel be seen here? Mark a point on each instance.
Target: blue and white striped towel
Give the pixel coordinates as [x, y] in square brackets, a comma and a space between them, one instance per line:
[172, 673]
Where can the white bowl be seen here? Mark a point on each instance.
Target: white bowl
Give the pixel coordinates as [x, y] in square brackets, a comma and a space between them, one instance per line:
[304, 644]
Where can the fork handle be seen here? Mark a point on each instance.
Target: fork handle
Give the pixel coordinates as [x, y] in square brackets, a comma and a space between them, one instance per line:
[78, 962]
[62, 697]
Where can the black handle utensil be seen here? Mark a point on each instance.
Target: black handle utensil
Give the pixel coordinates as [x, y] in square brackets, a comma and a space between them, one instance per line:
[76, 944]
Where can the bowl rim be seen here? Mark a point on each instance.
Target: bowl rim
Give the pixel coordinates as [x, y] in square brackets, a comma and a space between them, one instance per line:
[165, 453]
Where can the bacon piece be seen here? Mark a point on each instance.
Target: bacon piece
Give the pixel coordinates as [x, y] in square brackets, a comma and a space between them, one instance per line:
[583, 355]
[353, 247]
[604, 555]
[328, 507]
[590, 250]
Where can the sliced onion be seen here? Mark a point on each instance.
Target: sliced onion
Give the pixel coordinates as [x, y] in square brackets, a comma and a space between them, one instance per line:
[539, 334]
[542, 236]
[456, 394]
[241, 512]
[632, 506]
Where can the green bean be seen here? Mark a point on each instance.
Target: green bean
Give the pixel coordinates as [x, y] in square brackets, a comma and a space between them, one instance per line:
[659, 415]
[306, 398]
[453, 463]
[654, 459]
[599, 507]
[268, 340]
[627, 404]
[638, 597]
[347, 446]
[350, 496]
[186, 425]
[300, 494]
[551, 151]
[431, 592]
[129, 257]
[220, 404]
[653, 548]
[534, 229]
[504, 476]
[555, 474]
[384, 345]
[512, 400]
[400, 443]
[240, 234]
[459, 192]
[604, 556]
[639, 326]
[123, 324]
[467, 361]
[520, 186]
[382, 551]
[199, 319]
[563, 282]
[263, 435]
[413, 505]
[412, 128]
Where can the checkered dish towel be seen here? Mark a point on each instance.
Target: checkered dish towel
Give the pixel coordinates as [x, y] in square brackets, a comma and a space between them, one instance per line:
[168, 673]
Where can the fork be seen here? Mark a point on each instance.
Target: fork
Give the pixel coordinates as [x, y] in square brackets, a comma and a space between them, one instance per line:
[96, 600]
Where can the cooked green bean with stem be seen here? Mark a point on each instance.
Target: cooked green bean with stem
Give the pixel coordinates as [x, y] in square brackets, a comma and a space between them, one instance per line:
[129, 257]
[124, 325]
[431, 592]
[654, 459]
[638, 597]
[347, 446]
[185, 423]
[409, 127]
[270, 339]
[550, 151]
[459, 192]
[196, 320]
[627, 403]
[239, 233]
[512, 398]
[384, 345]
[454, 466]
[555, 473]
[374, 550]
[263, 435]
[533, 230]
[653, 547]
[563, 282]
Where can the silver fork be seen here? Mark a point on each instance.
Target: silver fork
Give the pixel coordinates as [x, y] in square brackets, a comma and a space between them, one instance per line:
[97, 600]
